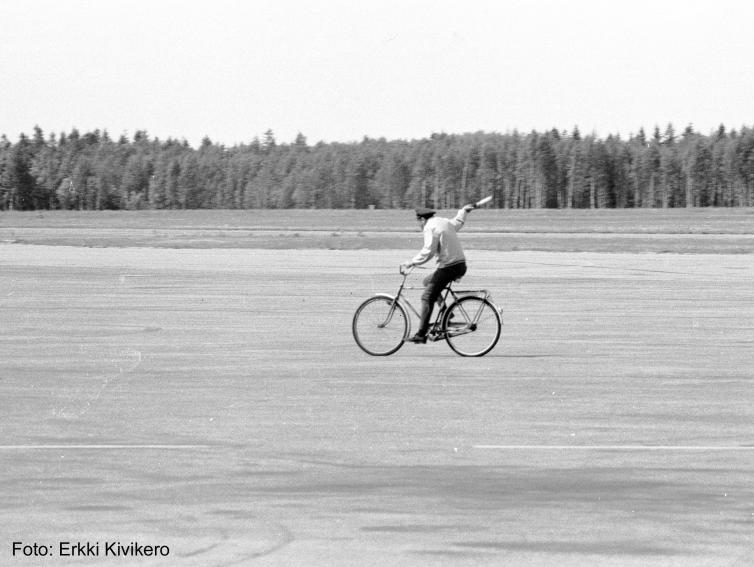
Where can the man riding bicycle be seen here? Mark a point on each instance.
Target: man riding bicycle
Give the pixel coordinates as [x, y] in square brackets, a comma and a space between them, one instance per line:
[440, 240]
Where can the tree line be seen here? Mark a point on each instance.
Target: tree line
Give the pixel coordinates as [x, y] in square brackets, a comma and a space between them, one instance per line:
[551, 169]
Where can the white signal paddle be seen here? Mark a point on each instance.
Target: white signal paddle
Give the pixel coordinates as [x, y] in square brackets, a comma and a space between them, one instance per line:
[484, 201]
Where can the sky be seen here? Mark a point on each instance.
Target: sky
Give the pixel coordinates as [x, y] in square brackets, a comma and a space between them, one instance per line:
[337, 70]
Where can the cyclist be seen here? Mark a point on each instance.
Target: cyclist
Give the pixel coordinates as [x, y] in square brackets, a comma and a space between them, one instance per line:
[440, 240]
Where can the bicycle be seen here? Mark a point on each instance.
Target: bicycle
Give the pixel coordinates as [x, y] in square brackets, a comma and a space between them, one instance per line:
[468, 321]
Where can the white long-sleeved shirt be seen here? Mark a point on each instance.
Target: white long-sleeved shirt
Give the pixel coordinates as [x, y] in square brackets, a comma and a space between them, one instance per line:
[441, 240]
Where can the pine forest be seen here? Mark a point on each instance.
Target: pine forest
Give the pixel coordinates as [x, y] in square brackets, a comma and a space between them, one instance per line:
[552, 169]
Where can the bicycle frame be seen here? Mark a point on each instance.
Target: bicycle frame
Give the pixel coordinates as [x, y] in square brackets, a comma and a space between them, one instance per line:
[435, 333]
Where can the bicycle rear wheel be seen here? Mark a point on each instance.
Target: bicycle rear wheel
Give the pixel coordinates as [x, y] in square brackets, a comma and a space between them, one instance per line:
[472, 326]
[380, 326]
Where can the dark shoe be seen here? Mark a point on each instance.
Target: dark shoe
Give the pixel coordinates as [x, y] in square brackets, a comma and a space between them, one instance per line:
[418, 339]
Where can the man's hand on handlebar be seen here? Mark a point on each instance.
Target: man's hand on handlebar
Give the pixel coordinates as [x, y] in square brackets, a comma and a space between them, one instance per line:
[405, 268]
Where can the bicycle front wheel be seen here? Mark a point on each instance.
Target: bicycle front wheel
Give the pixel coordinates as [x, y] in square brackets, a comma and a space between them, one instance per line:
[380, 326]
[472, 326]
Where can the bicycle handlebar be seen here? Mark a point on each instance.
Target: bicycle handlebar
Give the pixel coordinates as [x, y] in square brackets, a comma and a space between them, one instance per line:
[406, 271]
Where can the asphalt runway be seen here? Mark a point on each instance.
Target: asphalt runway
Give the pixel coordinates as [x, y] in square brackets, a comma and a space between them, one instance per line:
[214, 402]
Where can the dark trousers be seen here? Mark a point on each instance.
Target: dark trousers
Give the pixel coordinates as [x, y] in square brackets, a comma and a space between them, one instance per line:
[434, 284]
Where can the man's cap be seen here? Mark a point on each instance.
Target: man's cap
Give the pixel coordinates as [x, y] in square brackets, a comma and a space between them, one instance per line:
[424, 213]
